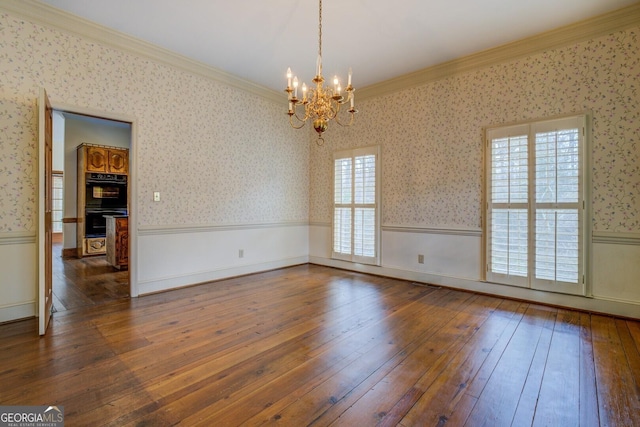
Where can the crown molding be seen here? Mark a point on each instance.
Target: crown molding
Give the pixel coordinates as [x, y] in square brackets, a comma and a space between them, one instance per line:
[44, 14]
[608, 23]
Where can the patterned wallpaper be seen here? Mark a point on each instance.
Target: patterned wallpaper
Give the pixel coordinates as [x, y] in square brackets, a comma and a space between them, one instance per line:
[431, 136]
[219, 155]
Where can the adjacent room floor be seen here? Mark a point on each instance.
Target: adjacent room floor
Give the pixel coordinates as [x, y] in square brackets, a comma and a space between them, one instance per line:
[85, 282]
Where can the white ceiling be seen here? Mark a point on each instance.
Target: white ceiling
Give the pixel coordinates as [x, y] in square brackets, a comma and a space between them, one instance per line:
[379, 39]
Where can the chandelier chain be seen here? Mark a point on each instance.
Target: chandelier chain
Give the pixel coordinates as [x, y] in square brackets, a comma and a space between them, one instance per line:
[320, 29]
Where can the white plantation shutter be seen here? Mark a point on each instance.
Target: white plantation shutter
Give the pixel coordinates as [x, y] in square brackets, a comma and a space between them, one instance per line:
[342, 231]
[343, 187]
[535, 205]
[508, 206]
[558, 207]
[509, 243]
[355, 218]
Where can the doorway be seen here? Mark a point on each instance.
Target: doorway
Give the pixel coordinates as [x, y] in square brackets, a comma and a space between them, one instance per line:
[89, 280]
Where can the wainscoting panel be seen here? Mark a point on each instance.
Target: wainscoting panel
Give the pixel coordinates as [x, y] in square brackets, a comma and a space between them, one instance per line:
[445, 252]
[172, 257]
[616, 267]
[18, 278]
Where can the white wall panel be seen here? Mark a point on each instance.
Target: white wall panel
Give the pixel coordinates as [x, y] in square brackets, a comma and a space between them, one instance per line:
[445, 254]
[17, 277]
[171, 258]
[616, 272]
[320, 240]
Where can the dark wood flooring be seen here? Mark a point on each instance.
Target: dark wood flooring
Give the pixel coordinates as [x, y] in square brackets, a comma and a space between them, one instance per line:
[311, 345]
[85, 282]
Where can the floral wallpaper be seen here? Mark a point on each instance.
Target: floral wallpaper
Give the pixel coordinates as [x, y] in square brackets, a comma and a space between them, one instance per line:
[431, 136]
[218, 154]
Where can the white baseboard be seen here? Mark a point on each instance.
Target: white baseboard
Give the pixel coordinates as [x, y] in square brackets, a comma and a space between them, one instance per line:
[18, 311]
[175, 282]
[595, 305]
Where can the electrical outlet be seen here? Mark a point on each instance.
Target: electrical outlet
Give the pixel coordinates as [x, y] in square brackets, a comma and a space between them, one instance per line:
[241, 253]
[156, 196]
[420, 259]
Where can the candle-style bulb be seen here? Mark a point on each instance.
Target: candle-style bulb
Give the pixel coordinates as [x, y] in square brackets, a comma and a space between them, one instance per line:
[350, 73]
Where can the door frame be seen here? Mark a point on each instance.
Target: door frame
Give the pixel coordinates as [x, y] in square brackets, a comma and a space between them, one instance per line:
[132, 183]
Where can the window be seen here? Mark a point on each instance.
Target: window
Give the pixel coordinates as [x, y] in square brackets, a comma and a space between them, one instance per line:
[535, 205]
[57, 201]
[356, 207]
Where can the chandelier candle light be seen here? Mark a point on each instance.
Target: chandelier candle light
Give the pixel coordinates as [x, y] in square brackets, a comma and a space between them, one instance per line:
[320, 103]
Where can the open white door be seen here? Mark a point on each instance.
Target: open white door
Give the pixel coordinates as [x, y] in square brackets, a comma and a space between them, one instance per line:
[45, 229]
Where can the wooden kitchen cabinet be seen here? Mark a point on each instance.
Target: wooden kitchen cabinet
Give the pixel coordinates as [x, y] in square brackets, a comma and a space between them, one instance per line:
[95, 159]
[105, 159]
[118, 241]
[117, 161]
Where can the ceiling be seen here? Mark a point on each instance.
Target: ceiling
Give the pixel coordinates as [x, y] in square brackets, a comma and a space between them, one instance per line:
[379, 39]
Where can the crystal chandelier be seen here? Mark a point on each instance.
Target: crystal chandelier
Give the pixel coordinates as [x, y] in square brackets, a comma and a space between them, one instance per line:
[320, 104]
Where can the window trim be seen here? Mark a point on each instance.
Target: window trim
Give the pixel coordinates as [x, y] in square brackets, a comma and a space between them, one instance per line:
[583, 287]
[352, 153]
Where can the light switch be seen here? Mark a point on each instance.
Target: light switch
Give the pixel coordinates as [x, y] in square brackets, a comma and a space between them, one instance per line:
[156, 196]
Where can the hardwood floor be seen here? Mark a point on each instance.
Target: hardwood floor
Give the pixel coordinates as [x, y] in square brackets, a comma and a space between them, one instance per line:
[311, 345]
[85, 282]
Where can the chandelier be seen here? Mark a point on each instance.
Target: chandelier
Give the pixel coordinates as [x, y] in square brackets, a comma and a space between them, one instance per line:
[321, 104]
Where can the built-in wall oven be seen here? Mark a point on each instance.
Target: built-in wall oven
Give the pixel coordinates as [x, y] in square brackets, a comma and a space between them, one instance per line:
[106, 194]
